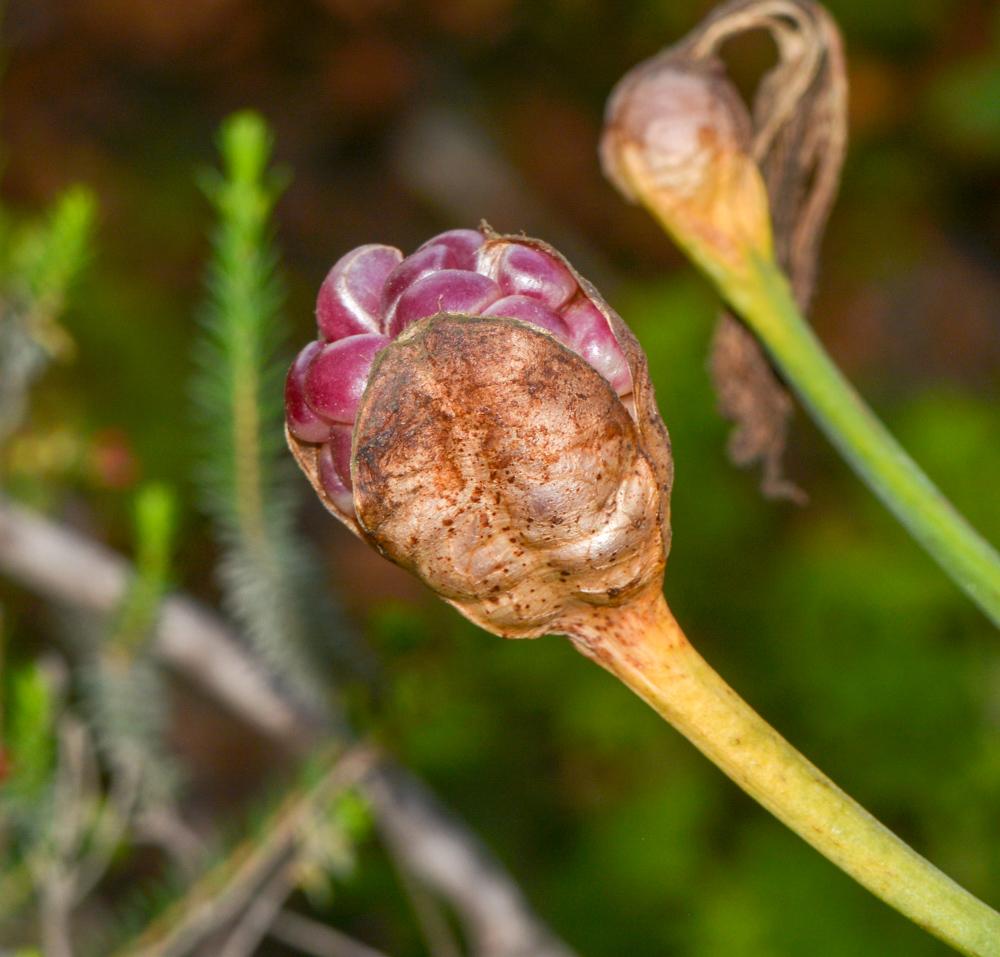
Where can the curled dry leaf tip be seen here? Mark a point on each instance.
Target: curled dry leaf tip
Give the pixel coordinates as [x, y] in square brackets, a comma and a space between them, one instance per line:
[680, 140]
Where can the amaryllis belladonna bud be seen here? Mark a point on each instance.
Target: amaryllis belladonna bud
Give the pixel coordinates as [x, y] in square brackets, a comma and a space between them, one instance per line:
[480, 414]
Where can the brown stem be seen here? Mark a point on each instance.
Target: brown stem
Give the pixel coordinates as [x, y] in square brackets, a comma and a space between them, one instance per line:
[643, 645]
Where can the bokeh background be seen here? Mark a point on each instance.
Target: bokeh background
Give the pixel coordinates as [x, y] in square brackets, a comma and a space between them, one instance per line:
[400, 118]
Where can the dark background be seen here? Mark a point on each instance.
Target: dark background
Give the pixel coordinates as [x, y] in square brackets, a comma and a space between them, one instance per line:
[399, 119]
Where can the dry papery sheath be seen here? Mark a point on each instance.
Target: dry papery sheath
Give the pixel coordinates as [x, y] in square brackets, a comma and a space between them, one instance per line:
[480, 415]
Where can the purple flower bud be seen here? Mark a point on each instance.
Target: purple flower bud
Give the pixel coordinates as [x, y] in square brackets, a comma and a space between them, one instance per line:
[303, 423]
[677, 139]
[337, 375]
[529, 310]
[373, 295]
[447, 290]
[350, 296]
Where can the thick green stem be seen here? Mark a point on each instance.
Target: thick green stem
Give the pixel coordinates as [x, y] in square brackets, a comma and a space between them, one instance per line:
[763, 298]
[740, 263]
[644, 646]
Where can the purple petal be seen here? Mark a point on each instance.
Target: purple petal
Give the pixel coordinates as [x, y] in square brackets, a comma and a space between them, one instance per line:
[337, 377]
[332, 470]
[524, 271]
[529, 310]
[341, 437]
[303, 423]
[415, 267]
[348, 303]
[464, 244]
[448, 290]
[590, 335]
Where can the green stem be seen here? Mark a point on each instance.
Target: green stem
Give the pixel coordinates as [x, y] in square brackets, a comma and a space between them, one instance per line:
[764, 299]
[643, 645]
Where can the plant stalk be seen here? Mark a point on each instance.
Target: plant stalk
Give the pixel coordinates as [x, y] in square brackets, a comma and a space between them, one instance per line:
[643, 645]
[763, 298]
[738, 257]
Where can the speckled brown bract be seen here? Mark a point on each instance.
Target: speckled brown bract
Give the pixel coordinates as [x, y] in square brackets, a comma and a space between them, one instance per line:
[505, 472]
[500, 468]
[654, 438]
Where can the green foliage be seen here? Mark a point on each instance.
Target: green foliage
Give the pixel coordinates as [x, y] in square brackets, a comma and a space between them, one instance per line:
[38, 263]
[238, 391]
[963, 103]
[46, 257]
[155, 522]
[29, 750]
[244, 475]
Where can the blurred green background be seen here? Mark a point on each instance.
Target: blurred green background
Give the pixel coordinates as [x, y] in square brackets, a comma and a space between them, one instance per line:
[399, 119]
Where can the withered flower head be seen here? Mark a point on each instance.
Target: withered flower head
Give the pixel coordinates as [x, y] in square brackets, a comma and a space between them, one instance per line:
[478, 413]
[680, 140]
[677, 140]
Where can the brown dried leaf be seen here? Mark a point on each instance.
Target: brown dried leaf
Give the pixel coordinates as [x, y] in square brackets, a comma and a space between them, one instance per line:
[750, 395]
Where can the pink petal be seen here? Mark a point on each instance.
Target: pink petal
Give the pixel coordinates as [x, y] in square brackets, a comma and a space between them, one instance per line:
[423, 262]
[529, 310]
[331, 470]
[590, 335]
[463, 243]
[348, 303]
[337, 377]
[303, 423]
[447, 290]
[525, 271]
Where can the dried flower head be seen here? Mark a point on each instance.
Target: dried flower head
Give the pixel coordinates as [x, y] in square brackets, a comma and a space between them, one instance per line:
[680, 140]
[677, 139]
[480, 414]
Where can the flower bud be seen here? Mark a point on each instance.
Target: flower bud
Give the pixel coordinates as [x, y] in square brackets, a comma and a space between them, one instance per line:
[494, 432]
[676, 139]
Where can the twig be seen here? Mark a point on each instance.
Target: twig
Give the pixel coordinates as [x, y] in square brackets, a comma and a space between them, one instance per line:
[52, 867]
[227, 891]
[66, 566]
[316, 939]
[438, 936]
[74, 788]
[162, 826]
[71, 568]
[54, 910]
[253, 926]
[108, 832]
